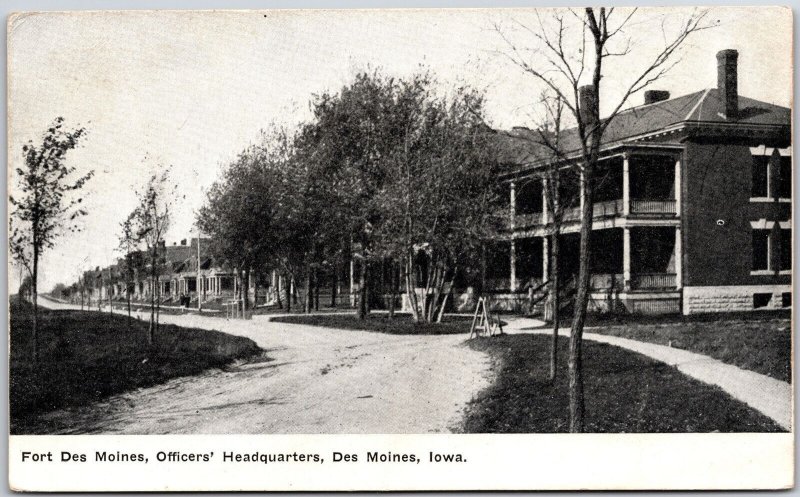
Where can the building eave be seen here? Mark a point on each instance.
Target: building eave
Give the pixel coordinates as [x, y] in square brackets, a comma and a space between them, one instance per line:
[680, 130]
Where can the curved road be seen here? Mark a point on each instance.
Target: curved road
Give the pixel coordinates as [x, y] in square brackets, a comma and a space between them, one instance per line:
[311, 380]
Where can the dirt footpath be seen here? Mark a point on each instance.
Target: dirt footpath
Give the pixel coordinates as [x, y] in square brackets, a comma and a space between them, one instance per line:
[313, 380]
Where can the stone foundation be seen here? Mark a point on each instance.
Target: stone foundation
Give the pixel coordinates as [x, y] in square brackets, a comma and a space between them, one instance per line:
[704, 299]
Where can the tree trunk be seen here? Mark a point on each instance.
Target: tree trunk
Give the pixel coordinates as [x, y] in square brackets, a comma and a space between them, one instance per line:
[576, 403]
[245, 289]
[316, 290]
[35, 294]
[150, 328]
[287, 288]
[334, 284]
[411, 289]
[363, 309]
[555, 303]
[309, 291]
[446, 295]
[128, 286]
[393, 289]
[157, 292]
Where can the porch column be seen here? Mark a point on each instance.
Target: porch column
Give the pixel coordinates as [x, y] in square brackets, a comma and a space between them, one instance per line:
[235, 285]
[545, 204]
[626, 185]
[677, 188]
[626, 257]
[545, 258]
[678, 259]
[512, 209]
[513, 256]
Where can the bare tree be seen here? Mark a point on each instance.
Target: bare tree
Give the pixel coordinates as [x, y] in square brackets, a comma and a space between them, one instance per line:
[567, 57]
[47, 205]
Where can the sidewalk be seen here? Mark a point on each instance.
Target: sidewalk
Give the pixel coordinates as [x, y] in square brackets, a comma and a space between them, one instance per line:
[769, 396]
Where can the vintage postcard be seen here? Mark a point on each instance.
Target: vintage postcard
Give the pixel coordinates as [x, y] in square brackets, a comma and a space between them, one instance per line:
[428, 249]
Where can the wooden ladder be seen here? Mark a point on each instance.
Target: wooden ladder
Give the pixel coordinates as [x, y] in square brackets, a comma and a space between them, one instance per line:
[484, 321]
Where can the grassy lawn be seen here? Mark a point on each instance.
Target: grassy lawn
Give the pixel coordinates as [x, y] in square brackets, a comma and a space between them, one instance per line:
[625, 393]
[402, 324]
[762, 344]
[88, 356]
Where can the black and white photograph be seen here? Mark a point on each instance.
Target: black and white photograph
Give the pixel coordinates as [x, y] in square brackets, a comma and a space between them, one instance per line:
[443, 222]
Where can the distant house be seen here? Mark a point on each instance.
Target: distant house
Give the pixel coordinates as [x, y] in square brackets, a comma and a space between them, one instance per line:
[692, 206]
[179, 276]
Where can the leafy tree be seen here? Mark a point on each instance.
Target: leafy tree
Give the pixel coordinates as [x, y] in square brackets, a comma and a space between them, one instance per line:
[440, 201]
[48, 204]
[59, 291]
[391, 170]
[151, 219]
[350, 138]
[132, 262]
[241, 209]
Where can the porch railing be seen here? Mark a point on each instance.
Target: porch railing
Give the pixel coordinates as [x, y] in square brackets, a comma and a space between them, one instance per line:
[608, 208]
[653, 207]
[525, 220]
[641, 281]
[600, 209]
[600, 281]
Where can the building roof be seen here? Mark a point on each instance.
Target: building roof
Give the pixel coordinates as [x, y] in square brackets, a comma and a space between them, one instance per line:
[522, 146]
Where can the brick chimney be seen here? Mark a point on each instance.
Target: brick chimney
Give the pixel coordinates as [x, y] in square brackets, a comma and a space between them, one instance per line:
[653, 96]
[587, 101]
[727, 82]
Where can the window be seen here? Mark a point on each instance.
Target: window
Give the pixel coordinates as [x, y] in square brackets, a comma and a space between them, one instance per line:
[786, 249]
[786, 299]
[761, 300]
[760, 186]
[785, 184]
[760, 250]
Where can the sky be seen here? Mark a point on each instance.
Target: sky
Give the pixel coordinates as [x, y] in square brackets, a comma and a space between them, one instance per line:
[192, 89]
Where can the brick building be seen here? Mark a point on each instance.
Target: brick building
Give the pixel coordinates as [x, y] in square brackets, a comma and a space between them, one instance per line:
[692, 206]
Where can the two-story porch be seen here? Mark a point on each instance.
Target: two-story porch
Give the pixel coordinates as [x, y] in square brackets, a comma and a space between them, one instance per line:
[636, 231]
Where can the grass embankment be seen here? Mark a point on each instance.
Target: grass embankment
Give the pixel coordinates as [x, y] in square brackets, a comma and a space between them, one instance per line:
[86, 356]
[762, 343]
[625, 393]
[401, 324]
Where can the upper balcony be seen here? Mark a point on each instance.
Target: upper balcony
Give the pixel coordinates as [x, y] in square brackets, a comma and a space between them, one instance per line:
[642, 186]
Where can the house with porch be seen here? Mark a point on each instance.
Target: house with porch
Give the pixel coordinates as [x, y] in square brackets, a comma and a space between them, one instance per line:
[692, 206]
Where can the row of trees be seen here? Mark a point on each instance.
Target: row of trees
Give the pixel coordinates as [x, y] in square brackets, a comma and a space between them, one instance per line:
[387, 169]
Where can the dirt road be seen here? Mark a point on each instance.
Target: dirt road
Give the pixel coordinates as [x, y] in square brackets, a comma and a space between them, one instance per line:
[314, 380]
